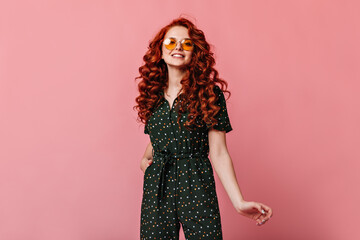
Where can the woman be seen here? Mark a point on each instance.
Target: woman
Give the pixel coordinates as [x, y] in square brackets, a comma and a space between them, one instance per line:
[185, 115]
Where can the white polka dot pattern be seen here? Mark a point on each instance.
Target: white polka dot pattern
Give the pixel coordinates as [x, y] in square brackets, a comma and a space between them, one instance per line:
[179, 186]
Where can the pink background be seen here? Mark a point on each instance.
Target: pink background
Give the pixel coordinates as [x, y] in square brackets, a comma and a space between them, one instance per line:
[71, 146]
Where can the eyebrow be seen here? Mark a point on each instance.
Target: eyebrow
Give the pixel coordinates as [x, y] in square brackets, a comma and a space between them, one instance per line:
[183, 38]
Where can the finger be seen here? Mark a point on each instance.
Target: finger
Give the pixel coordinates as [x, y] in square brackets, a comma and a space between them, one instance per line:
[267, 215]
[259, 223]
[257, 206]
[268, 210]
[261, 220]
[261, 210]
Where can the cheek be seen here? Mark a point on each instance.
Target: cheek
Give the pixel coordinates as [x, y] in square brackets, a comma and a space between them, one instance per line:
[189, 57]
[165, 51]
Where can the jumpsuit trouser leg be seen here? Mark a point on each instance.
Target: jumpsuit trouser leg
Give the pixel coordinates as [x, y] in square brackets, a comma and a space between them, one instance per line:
[180, 189]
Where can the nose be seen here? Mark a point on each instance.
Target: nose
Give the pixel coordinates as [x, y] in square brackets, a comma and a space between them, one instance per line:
[178, 45]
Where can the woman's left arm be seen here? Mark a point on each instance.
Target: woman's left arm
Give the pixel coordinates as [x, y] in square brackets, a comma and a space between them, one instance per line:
[223, 166]
[221, 160]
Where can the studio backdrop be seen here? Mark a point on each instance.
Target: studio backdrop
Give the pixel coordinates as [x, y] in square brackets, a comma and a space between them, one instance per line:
[71, 145]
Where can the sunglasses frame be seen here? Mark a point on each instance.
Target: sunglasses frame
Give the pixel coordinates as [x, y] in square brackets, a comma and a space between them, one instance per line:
[182, 42]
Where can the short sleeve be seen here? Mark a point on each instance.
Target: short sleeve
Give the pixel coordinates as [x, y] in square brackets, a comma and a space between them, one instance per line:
[222, 116]
[146, 131]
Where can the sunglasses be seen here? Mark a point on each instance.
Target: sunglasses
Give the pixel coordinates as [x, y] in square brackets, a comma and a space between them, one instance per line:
[186, 43]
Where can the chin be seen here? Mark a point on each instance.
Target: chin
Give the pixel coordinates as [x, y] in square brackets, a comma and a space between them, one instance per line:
[178, 65]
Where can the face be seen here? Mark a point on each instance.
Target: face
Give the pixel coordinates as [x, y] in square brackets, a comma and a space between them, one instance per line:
[178, 33]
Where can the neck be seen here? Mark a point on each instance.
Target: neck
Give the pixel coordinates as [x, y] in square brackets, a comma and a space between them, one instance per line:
[174, 77]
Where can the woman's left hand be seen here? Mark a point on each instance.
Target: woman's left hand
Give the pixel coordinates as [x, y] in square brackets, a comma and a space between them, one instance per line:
[254, 210]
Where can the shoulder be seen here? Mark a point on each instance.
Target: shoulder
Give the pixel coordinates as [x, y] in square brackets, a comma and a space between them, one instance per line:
[219, 93]
[217, 89]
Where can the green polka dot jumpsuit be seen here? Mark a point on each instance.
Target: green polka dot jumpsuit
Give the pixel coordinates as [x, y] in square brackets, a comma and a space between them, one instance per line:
[179, 186]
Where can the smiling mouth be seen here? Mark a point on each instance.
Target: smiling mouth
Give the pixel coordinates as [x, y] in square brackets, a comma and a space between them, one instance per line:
[176, 55]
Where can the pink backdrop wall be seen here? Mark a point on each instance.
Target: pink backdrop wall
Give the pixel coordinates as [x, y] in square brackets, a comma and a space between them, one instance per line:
[71, 146]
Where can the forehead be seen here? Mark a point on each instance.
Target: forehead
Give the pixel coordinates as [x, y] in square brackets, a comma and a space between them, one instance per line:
[177, 32]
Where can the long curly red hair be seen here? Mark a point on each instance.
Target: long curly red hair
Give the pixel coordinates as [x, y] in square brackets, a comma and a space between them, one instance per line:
[198, 97]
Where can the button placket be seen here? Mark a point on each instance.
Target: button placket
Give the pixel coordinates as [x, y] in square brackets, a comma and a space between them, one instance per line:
[172, 118]
[172, 115]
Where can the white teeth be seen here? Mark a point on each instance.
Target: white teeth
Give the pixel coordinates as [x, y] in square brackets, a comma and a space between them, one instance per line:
[177, 55]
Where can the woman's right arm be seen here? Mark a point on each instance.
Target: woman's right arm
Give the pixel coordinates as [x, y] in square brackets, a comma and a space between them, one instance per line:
[147, 158]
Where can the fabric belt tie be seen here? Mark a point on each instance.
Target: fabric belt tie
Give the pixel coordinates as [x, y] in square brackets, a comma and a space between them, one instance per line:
[166, 157]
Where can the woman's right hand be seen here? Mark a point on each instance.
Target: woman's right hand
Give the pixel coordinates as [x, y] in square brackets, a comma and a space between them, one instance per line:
[145, 163]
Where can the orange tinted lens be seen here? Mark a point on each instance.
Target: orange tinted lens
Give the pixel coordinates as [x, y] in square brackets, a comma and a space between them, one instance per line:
[170, 43]
[187, 44]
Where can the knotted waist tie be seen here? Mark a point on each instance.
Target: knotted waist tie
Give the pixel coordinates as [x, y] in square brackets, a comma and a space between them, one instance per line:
[166, 157]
